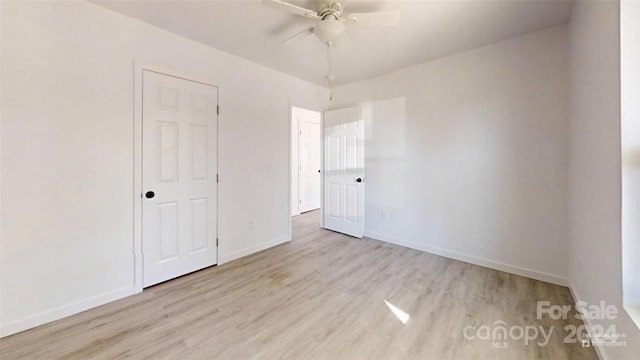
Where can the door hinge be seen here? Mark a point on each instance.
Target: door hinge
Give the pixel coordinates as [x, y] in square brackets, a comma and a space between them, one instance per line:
[217, 178]
[216, 242]
[300, 132]
[217, 109]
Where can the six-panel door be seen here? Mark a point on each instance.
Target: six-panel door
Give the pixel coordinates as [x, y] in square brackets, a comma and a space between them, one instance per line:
[178, 177]
[344, 171]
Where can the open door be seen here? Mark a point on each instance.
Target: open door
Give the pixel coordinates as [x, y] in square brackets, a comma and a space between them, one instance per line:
[309, 173]
[343, 185]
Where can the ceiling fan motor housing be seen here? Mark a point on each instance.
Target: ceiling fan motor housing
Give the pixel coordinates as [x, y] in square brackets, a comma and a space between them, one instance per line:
[327, 9]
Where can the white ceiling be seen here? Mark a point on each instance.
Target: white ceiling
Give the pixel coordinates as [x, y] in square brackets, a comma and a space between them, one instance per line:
[428, 29]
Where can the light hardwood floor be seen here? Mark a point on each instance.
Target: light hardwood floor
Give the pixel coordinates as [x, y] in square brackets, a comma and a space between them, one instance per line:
[321, 296]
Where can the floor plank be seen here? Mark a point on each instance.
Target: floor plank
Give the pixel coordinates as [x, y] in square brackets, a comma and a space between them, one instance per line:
[320, 296]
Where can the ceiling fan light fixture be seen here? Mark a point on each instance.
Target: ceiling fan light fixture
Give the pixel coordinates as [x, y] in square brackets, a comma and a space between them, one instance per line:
[329, 30]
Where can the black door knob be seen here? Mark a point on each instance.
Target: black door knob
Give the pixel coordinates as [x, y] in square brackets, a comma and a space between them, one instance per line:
[318, 170]
[359, 180]
[149, 194]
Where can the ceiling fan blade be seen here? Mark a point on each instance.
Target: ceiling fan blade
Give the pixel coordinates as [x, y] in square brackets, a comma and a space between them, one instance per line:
[308, 31]
[388, 18]
[294, 9]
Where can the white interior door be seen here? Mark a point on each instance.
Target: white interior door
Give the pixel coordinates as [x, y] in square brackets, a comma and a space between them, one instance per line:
[344, 171]
[179, 166]
[309, 187]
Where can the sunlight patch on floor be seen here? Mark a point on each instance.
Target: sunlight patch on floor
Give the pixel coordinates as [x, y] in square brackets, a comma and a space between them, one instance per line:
[402, 316]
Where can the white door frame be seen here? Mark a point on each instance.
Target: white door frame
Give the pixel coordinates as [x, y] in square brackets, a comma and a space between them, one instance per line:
[139, 67]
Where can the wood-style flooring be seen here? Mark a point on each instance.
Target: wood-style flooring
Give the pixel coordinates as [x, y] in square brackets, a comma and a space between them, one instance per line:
[320, 296]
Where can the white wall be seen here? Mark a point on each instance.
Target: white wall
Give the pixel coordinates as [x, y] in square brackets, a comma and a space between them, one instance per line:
[296, 115]
[466, 156]
[67, 152]
[630, 153]
[595, 264]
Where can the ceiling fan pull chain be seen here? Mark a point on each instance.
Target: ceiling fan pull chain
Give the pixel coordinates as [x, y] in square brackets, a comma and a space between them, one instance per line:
[330, 76]
[330, 65]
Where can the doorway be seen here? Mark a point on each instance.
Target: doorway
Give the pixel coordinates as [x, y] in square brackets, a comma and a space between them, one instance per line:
[306, 157]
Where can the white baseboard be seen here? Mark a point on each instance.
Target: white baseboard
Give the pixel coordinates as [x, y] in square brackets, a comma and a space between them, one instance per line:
[224, 258]
[513, 269]
[44, 317]
[576, 298]
[32, 321]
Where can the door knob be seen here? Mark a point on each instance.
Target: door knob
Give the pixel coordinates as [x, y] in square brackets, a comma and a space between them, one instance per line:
[318, 170]
[149, 194]
[359, 180]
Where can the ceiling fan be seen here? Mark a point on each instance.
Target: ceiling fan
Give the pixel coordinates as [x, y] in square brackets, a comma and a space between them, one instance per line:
[332, 20]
